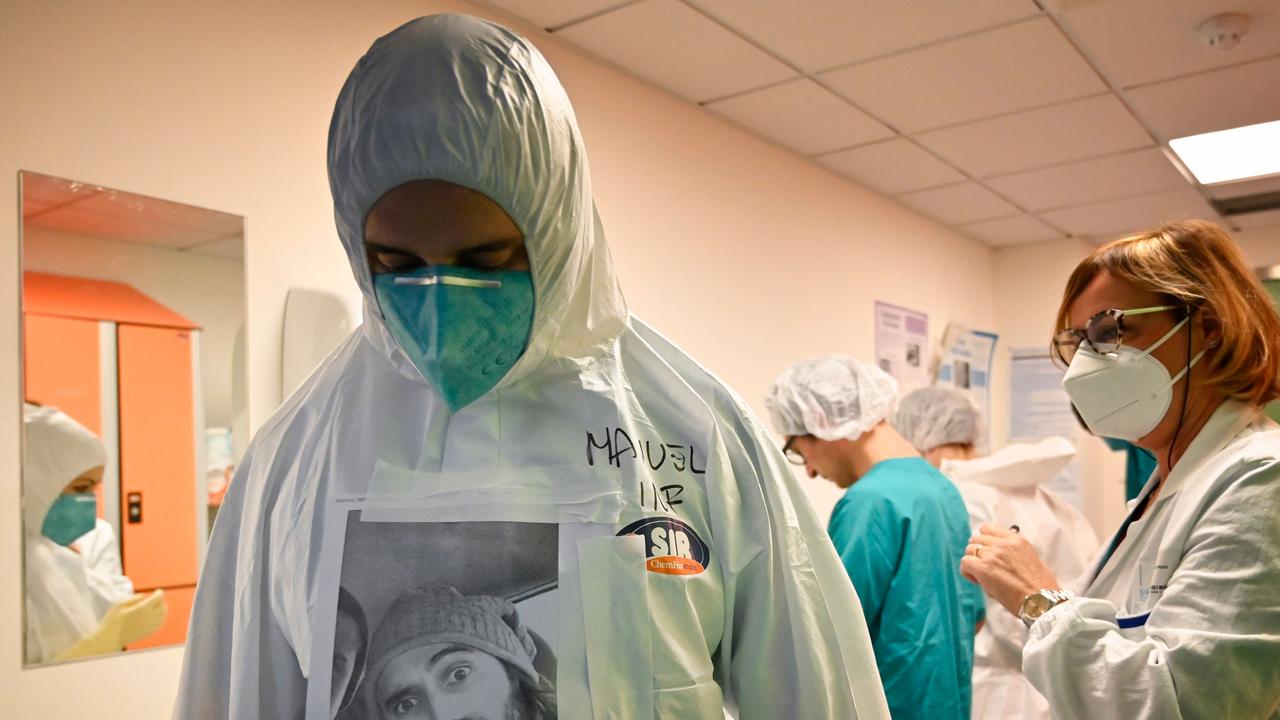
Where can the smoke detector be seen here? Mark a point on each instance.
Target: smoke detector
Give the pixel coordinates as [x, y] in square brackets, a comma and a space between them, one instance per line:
[1223, 32]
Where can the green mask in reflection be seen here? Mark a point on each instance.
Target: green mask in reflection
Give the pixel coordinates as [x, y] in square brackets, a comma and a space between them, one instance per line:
[70, 517]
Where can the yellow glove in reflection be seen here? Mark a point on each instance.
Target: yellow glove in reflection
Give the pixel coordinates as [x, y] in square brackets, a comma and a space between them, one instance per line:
[138, 616]
[126, 622]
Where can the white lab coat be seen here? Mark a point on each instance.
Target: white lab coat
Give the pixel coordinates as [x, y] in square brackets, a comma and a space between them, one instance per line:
[1183, 620]
[1007, 488]
[62, 603]
[772, 626]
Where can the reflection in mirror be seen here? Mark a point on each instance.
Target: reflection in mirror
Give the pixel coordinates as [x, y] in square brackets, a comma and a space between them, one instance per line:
[132, 309]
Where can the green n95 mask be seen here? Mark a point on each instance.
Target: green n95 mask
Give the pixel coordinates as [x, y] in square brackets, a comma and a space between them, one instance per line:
[71, 516]
[464, 329]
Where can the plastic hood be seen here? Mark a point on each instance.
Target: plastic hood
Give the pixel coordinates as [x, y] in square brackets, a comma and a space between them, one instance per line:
[56, 451]
[1015, 466]
[458, 99]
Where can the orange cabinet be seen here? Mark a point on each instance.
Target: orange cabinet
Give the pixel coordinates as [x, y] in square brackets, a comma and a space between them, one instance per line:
[157, 456]
[63, 369]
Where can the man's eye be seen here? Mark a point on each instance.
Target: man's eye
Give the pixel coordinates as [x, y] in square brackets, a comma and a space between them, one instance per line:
[459, 674]
[405, 705]
[490, 260]
[397, 261]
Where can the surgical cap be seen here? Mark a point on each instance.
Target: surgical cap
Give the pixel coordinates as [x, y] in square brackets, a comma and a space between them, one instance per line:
[935, 416]
[831, 398]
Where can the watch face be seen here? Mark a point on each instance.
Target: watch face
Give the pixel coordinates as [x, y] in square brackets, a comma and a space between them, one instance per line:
[1036, 605]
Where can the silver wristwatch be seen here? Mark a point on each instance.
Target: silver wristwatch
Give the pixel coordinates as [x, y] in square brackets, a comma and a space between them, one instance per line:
[1039, 603]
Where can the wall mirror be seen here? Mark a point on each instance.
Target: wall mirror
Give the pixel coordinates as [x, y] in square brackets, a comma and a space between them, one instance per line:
[132, 348]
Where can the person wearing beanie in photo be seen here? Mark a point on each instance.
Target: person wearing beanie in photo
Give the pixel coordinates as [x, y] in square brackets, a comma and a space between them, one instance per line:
[439, 654]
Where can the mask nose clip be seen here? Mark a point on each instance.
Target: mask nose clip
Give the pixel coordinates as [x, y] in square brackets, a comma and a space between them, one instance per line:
[447, 280]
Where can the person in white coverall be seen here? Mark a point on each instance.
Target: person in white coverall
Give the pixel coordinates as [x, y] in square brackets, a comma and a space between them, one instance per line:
[78, 603]
[1005, 488]
[499, 371]
[1170, 342]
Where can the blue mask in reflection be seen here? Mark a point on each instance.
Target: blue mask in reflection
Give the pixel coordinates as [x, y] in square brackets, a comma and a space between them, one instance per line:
[70, 517]
[464, 329]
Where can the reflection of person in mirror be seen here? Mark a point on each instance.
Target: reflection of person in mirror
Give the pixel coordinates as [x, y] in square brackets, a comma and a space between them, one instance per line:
[440, 654]
[78, 602]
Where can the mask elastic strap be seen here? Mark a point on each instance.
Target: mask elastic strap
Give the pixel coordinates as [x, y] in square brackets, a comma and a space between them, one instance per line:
[1166, 337]
[1186, 369]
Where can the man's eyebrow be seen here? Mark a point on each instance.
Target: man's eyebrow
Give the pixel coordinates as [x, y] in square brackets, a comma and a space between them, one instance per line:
[495, 245]
[397, 696]
[451, 650]
[385, 249]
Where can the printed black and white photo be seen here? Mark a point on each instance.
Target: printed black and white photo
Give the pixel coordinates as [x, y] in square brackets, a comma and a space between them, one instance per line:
[446, 620]
[913, 354]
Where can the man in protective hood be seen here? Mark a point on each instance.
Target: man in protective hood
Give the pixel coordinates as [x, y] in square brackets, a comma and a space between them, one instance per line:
[498, 376]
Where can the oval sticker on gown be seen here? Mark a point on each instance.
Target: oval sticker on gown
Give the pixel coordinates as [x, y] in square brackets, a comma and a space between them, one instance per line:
[670, 546]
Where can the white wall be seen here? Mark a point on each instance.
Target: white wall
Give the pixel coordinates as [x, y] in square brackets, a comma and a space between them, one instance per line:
[1261, 246]
[1029, 280]
[207, 290]
[747, 256]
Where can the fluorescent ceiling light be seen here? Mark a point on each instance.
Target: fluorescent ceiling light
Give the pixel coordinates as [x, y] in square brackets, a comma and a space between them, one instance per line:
[1227, 155]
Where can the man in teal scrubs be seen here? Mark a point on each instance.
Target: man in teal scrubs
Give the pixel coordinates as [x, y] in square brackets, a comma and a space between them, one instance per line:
[900, 529]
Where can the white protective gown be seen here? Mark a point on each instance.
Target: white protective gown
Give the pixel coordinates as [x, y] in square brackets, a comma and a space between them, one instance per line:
[1183, 620]
[1007, 488]
[101, 552]
[62, 593]
[772, 625]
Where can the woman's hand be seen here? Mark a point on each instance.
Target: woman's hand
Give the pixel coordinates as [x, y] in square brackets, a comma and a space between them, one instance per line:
[1006, 566]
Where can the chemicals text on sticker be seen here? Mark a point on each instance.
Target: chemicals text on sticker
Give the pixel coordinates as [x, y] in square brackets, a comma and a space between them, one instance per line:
[670, 546]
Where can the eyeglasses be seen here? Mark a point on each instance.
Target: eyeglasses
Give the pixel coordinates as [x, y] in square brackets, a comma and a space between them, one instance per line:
[1104, 333]
[793, 455]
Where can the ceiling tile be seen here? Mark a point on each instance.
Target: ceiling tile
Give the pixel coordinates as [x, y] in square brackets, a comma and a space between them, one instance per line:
[802, 115]
[1015, 230]
[1057, 134]
[1249, 221]
[978, 76]
[957, 204]
[550, 15]
[41, 192]
[678, 48]
[1141, 41]
[1107, 178]
[1217, 100]
[821, 34]
[100, 222]
[231, 248]
[1115, 217]
[894, 166]
[93, 211]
